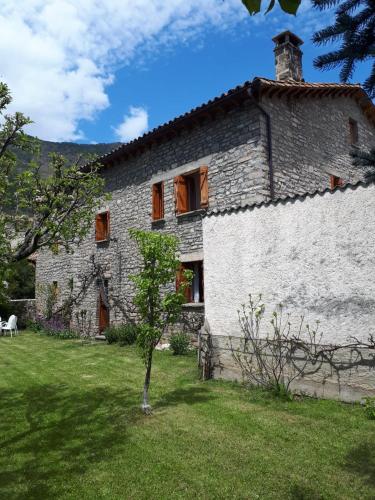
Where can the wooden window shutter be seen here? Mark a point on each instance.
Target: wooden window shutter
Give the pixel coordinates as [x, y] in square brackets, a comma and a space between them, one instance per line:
[335, 181]
[181, 194]
[99, 228]
[203, 171]
[158, 201]
[180, 279]
[102, 222]
[103, 315]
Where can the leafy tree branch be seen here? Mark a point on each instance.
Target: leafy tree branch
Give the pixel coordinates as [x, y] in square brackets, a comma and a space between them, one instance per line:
[41, 212]
[288, 6]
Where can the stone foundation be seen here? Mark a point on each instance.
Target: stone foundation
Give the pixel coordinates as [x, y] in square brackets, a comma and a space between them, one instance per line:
[354, 381]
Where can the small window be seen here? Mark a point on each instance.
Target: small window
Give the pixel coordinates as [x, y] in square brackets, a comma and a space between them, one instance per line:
[195, 292]
[191, 191]
[158, 201]
[353, 131]
[55, 289]
[102, 226]
[335, 181]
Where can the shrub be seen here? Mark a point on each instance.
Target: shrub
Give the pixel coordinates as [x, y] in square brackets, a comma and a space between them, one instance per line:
[111, 334]
[179, 343]
[370, 408]
[34, 326]
[127, 334]
[123, 334]
[54, 327]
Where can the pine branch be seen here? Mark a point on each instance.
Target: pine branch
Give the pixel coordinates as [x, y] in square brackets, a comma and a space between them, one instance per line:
[365, 159]
[354, 29]
[369, 84]
[324, 4]
[348, 7]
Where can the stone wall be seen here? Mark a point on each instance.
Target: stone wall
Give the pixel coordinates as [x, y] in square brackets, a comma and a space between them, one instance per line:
[310, 141]
[313, 254]
[237, 172]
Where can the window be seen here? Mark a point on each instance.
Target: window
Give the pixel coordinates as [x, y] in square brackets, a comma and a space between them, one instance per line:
[195, 292]
[102, 226]
[191, 191]
[335, 181]
[55, 290]
[158, 201]
[353, 131]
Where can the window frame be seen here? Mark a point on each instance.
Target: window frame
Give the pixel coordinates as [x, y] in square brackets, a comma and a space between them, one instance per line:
[353, 132]
[55, 289]
[195, 292]
[183, 191]
[335, 181]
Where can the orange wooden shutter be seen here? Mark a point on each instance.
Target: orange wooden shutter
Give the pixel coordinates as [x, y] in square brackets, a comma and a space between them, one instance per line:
[103, 316]
[335, 181]
[102, 226]
[180, 279]
[158, 201]
[162, 200]
[203, 171]
[99, 228]
[155, 202]
[181, 194]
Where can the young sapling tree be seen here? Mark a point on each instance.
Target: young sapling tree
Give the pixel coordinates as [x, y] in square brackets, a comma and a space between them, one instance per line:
[158, 305]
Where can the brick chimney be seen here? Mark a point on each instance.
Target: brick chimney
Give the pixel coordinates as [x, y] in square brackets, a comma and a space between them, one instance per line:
[288, 56]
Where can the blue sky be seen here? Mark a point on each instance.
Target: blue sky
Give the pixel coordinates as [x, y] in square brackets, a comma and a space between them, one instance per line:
[172, 82]
[91, 71]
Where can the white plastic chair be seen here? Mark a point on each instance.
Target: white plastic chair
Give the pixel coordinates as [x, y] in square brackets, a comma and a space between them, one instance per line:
[10, 326]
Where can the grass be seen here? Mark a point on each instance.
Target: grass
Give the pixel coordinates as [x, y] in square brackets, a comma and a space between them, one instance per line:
[70, 427]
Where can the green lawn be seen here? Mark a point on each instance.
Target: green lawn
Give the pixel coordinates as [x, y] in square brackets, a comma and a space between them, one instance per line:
[70, 427]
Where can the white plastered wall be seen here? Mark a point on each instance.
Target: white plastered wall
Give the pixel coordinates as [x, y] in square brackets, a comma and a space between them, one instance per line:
[315, 255]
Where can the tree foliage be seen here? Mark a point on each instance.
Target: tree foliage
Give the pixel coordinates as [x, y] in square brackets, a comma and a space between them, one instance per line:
[354, 30]
[59, 208]
[35, 211]
[365, 160]
[158, 304]
[288, 6]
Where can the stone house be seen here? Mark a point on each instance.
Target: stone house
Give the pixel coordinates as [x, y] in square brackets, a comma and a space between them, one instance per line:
[262, 140]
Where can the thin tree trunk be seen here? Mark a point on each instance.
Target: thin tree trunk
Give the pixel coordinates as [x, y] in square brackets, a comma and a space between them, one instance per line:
[146, 408]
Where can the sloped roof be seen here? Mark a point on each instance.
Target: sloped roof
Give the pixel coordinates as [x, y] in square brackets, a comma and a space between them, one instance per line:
[233, 98]
[287, 199]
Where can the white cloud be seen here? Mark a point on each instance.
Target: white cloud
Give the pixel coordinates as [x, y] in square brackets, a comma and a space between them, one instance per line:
[59, 56]
[133, 125]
